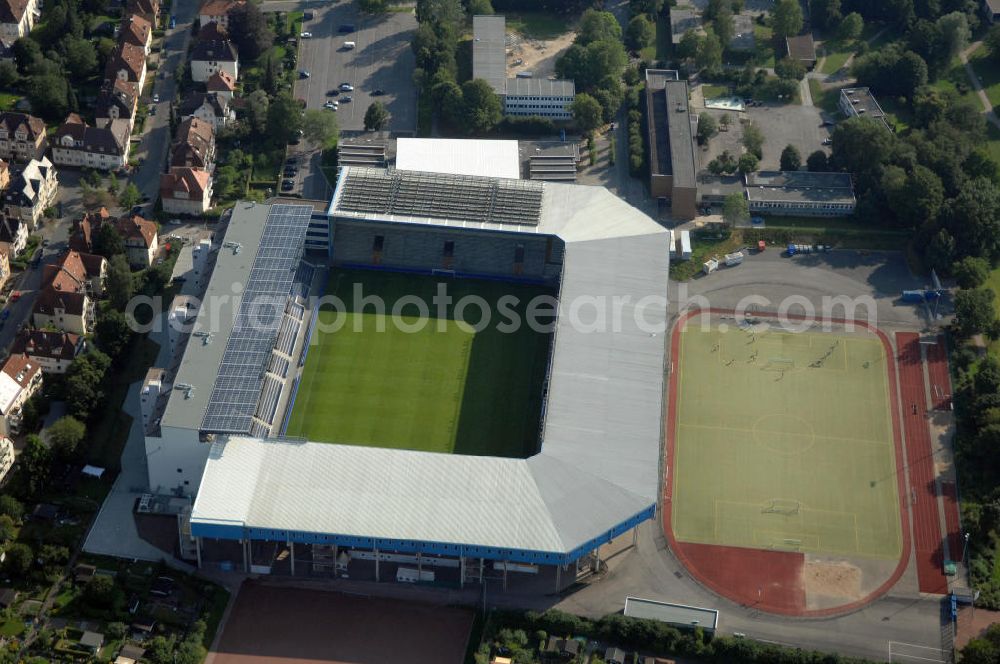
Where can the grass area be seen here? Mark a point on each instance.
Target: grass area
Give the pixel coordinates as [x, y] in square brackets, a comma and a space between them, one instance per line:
[988, 73]
[825, 99]
[837, 53]
[764, 456]
[897, 112]
[710, 91]
[425, 383]
[993, 142]
[702, 250]
[764, 36]
[11, 628]
[266, 167]
[539, 25]
[8, 100]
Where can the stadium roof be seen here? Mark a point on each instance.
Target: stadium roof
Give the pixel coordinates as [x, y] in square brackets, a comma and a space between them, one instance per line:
[455, 156]
[599, 468]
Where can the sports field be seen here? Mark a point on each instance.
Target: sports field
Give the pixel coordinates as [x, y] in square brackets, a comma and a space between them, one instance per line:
[785, 441]
[442, 388]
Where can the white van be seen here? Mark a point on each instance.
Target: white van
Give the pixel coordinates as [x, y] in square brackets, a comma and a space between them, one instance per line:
[349, 45]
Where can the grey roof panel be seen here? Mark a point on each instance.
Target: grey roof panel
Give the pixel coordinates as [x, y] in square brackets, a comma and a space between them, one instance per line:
[489, 50]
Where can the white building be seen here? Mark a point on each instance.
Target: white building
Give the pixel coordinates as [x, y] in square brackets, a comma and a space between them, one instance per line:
[861, 103]
[31, 191]
[17, 18]
[105, 147]
[211, 56]
[459, 156]
[20, 379]
[186, 190]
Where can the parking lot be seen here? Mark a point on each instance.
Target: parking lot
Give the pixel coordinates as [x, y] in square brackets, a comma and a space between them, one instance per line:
[382, 60]
[789, 124]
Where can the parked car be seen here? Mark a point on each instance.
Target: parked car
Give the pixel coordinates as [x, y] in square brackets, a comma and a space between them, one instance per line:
[15, 296]
[332, 93]
[287, 185]
[378, 92]
[347, 87]
[827, 141]
[347, 99]
[156, 98]
[306, 35]
[307, 16]
[292, 160]
[828, 123]
[175, 222]
[304, 73]
[290, 171]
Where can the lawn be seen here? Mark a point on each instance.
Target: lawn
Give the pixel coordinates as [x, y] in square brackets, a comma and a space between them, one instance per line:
[825, 99]
[11, 628]
[993, 142]
[539, 25]
[702, 250]
[837, 53]
[8, 100]
[988, 72]
[426, 383]
[710, 91]
[763, 37]
[765, 456]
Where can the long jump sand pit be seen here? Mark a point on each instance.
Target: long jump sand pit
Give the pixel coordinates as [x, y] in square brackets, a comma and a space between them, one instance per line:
[272, 625]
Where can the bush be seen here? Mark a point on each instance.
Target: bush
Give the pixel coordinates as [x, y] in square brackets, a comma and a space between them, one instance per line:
[534, 125]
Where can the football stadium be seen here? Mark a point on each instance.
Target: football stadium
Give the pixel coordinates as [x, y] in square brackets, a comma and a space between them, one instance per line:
[328, 416]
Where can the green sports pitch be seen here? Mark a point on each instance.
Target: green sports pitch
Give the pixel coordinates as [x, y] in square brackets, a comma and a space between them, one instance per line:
[784, 441]
[444, 388]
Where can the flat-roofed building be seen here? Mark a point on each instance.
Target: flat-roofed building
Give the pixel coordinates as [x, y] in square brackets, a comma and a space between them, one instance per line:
[861, 103]
[802, 48]
[672, 161]
[358, 153]
[678, 615]
[459, 156]
[801, 193]
[555, 163]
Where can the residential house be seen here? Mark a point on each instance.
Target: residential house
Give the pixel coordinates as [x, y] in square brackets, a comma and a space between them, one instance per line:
[117, 100]
[211, 55]
[222, 83]
[208, 106]
[802, 48]
[137, 31]
[31, 191]
[139, 235]
[564, 648]
[17, 18]
[6, 463]
[186, 190]
[92, 641]
[128, 63]
[217, 11]
[213, 32]
[194, 145]
[22, 137]
[53, 351]
[148, 9]
[4, 174]
[20, 379]
[104, 147]
[5, 256]
[614, 656]
[66, 302]
[991, 10]
[14, 234]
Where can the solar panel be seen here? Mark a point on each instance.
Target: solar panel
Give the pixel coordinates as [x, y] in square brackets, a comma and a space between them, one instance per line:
[237, 387]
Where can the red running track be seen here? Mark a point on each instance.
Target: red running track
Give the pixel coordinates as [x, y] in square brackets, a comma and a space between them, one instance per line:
[937, 368]
[927, 540]
[952, 520]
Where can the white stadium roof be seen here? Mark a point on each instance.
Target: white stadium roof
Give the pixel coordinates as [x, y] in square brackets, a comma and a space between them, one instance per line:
[459, 156]
[600, 464]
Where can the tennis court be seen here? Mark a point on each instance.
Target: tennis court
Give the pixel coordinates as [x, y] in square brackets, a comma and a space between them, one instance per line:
[432, 383]
[785, 442]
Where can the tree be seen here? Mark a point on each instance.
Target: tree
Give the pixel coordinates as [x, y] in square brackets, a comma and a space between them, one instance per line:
[723, 25]
[480, 7]
[108, 242]
[482, 106]
[817, 162]
[753, 140]
[748, 162]
[786, 19]
[690, 45]
[35, 462]
[587, 112]
[81, 57]
[598, 26]
[65, 435]
[789, 69]
[320, 127]
[9, 76]
[709, 55]
[992, 41]
[974, 311]
[851, 27]
[640, 32]
[284, 119]
[451, 102]
[707, 128]
[376, 117]
[12, 507]
[130, 196]
[7, 529]
[84, 383]
[971, 272]
[825, 14]
[954, 34]
[735, 209]
[791, 160]
[119, 282]
[113, 333]
[250, 30]
[102, 592]
[973, 218]
[256, 107]
[373, 6]
[19, 559]
[49, 95]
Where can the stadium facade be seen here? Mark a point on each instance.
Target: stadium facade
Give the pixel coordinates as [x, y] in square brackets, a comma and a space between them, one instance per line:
[597, 472]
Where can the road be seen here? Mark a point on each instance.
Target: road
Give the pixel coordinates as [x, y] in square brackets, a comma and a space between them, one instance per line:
[152, 151]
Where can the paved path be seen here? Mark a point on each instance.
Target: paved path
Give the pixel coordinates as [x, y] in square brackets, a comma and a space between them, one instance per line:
[974, 78]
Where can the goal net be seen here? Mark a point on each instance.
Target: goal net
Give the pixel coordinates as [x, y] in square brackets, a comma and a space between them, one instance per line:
[783, 507]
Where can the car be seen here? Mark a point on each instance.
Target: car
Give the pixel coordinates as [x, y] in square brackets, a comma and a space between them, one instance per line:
[332, 93]
[152, 110]
[827, 141]
[288, 181]
[174, 222]
[287, 185]
[306, 35]
[290, 171]
[156, 98]
[304, 73]
[347, 99]
[378, 92]
[292, 160]
[347, 87]
[307, 16]
[346, 27]
[828, 123]
[173, 22]
[330, 104]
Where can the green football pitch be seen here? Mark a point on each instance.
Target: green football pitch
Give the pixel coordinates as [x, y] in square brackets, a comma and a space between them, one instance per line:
[442, 388]
[785, 441]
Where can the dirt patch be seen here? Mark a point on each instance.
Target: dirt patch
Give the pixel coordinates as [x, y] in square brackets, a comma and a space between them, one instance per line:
[536, 55]
[832, 579]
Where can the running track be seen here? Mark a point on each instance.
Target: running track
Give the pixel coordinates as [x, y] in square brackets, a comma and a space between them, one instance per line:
[937, 367]
[927, 539]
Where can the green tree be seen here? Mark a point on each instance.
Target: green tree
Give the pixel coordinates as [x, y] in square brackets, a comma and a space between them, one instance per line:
[108, 242]
[35, 463]
[748, 162]
[85, 383]
[119, 282]
[320, 127]
[250, 31]
[791, 160]
[49, 95]
[19, 559]
[12, 507]
[786, 18]
[7, 529]
[640, 32]
[9, 76]
[851, 27]
[373, 6]
[587, 112]
[256, 107]
[113, 333]
[450, 101]
[376, 117]
[724, 26]
[992, 41]
[707, 127]
[825, 14]
[598, 26]
[974, 311]
[284, 119]
[160, 649]
[709, 55]
[482, 106]
[480, 7]
[792, 70]
[81, 57]
[689, 46]
[735, 209]
[130, 196]
[753, 141]
[51, 555]
[971, 272]
[102, 592]
[65, 435]
[954, 34]
[817, 162]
